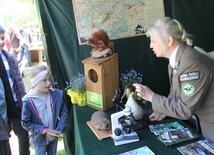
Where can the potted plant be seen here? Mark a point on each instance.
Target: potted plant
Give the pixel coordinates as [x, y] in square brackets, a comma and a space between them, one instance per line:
[76, 89]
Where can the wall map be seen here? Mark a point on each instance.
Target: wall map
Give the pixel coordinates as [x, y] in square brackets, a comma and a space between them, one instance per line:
[119, 18]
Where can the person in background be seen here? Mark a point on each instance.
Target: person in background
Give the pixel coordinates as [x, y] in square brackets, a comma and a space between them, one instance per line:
[15, 41]
[44, 114]
[7, 41]
[14, 91]
[4, 134]
[26, 43]
[191, 73]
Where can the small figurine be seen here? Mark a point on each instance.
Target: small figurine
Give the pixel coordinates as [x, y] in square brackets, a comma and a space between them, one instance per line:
[101, 43]
[100, 120]
[138, 29]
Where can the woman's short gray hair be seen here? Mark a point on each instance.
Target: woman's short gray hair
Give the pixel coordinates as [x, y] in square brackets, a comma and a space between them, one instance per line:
[165, 27]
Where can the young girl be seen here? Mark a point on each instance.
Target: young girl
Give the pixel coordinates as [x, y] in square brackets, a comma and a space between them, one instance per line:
[43, 112]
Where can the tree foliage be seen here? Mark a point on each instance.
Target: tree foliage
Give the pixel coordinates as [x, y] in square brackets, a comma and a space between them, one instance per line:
[17, 12]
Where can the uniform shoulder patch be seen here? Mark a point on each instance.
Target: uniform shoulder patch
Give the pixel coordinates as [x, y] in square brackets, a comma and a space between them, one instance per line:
[188, 89]
[190, 76]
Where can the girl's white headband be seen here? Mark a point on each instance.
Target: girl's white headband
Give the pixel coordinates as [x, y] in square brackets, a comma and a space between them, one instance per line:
[38, 77]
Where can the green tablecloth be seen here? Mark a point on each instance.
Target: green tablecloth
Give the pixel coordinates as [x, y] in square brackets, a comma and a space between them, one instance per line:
[86, 143]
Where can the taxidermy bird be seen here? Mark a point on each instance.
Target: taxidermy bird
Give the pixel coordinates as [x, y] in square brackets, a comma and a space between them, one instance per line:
[136, 109]
[117, 96]
[127, 91]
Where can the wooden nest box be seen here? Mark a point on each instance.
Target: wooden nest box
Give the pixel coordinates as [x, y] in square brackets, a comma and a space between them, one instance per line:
[102, 79]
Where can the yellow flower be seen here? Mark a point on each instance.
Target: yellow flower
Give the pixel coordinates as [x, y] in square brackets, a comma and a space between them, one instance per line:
[69, 92]
[81, 100]
[76, 89]
[73, 95]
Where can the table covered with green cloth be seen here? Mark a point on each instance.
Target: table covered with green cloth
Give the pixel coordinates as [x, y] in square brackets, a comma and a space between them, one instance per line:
[86, 143]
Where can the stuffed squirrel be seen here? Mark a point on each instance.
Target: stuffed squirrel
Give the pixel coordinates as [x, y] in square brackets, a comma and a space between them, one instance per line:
[101, 43]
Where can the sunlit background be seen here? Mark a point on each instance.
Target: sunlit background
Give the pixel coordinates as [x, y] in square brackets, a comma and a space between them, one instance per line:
[18, 12]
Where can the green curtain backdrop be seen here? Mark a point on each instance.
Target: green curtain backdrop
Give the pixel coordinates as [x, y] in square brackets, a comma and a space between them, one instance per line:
[197, 16]
[65, 54]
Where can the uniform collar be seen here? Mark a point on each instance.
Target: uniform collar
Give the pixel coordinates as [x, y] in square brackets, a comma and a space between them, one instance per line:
[177, 57]
[172, 57]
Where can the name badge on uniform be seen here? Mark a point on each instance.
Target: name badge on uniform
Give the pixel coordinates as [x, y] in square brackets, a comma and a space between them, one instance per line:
[190, 76]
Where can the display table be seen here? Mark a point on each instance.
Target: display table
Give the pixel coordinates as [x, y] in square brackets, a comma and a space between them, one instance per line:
[86, 143]
[36, 53]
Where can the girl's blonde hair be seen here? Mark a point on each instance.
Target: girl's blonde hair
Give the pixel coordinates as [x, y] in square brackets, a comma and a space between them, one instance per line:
[165, 27]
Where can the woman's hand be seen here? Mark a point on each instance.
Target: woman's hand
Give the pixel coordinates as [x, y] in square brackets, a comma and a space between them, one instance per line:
[144, 92]
[156, 116]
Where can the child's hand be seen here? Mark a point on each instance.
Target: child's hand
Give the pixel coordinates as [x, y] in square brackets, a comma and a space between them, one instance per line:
[46, 130]
[54, 133]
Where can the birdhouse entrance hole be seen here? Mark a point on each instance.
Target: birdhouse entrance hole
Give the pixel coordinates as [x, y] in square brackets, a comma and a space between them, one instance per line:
[92, 74]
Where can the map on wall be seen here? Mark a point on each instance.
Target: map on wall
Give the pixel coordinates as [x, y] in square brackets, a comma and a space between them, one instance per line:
[119, 18]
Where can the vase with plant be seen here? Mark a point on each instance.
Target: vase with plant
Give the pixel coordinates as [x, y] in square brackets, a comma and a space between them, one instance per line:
[127, 79]
[76, 89]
